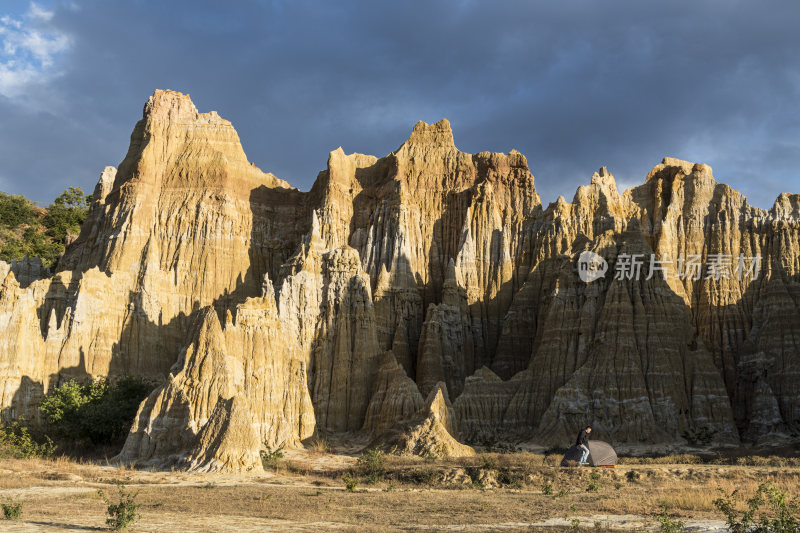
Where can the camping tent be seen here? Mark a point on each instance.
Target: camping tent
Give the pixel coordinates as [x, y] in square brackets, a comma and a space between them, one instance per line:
[600, 454]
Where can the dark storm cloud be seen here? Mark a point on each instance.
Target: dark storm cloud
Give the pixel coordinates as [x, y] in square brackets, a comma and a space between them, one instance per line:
[572, 85]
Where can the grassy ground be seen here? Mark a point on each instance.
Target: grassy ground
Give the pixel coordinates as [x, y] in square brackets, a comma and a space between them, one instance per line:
[305, 491]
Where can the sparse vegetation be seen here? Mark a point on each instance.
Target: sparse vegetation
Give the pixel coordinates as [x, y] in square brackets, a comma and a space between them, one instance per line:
[421, 476]
[667, 523]
[547, 488]
[12, 510]
[782, 515]
[271, 458]
[459, 488]
[574, 523]
[320, 445]
[17, 442]
[489, 462]
[372, 465]
[715, 459]
[683, 459]
[594, 482]
[350, 482]
[123, 513]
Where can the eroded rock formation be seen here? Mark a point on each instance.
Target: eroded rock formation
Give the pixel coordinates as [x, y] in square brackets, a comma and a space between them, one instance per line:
[422, 298]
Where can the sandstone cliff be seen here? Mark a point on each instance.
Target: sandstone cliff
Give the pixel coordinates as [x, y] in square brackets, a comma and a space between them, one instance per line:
[421, 299]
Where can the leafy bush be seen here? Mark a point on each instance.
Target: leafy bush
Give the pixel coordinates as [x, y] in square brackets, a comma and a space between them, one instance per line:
[270, 457]
[26, 230]
[16, 442]
[667, 523]
[98, 411]
[350, 482]
[547, 488]
[782, 515]
[66, 214]
[372, 465]
[122, 514]
[15, 211]
[11, 510]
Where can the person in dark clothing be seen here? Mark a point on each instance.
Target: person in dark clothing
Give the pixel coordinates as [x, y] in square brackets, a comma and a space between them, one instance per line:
[583, 443]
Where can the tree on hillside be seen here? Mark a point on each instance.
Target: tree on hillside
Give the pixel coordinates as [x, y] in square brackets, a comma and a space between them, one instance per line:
[27, 230]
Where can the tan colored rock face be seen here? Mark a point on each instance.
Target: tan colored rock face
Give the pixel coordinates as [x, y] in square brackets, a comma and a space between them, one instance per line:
[419, 298]
[235, 387]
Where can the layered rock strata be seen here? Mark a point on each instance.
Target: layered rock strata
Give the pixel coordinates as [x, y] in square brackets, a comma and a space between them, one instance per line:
[420, 298]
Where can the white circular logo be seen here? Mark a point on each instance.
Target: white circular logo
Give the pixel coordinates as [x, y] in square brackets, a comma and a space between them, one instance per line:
[591, 266]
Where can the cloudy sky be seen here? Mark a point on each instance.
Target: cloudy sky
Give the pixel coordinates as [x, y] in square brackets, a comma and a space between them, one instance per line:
[571, 84]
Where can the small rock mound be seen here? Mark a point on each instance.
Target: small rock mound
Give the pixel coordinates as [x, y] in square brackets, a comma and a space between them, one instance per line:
[431, 431]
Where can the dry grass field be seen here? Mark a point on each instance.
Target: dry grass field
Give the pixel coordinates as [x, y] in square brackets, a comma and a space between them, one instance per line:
[305, 491]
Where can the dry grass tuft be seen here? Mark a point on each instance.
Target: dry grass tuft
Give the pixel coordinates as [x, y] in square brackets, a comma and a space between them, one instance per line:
[320, 445]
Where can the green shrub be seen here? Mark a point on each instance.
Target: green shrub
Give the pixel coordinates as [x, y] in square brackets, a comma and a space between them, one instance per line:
[594, 482]
[782, 515]
[350, 482]
[547, 488]
[11, 510]
[15, 211]
[123, 513]
[66, 214]
[489, 462]
[16, 442]
[98, 411]
[667, 523]
[574, 523]
[269, 457]
[26, 232]
[372, 465]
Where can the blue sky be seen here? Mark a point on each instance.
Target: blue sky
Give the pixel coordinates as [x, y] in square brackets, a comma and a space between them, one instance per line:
[573, 85]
